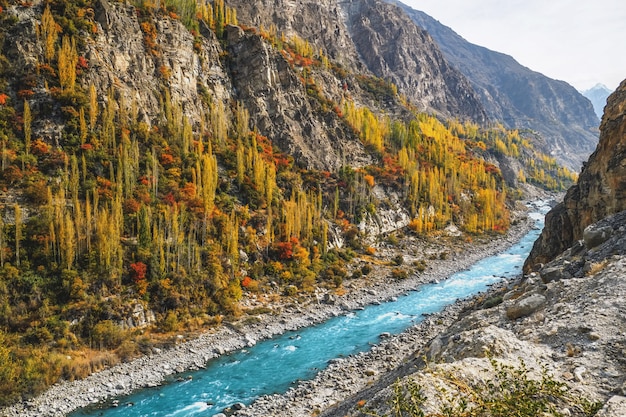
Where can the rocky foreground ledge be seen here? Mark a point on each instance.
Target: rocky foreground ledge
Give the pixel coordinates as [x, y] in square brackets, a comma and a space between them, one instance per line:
[336, 383]
[568, 317]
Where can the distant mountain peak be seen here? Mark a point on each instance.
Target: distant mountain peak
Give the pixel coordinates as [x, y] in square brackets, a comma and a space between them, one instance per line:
[598, 95]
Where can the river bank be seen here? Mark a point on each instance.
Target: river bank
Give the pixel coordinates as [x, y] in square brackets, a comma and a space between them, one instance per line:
[376, 287]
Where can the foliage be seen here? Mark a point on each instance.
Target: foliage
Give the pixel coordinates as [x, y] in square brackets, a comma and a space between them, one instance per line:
[510, 392]
[179, 215]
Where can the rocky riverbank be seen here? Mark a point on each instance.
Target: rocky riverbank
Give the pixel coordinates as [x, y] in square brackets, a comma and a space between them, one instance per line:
[566, 320]
[339, 379]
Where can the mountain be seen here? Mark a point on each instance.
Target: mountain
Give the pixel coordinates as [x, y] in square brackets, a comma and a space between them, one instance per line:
[375, 37]
[598, 95]
[519, 97]
[600, 191]
[163, 164]
[556, 326]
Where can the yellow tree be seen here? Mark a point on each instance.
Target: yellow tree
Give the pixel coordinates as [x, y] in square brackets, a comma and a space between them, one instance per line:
[67, 60]
[27, 127]
[18, 232]
[93, 106]
[49, 33]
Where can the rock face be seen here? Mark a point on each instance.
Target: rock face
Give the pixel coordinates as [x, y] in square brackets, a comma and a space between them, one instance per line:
[281, 109]
[564, 118]
[600, 191]
[572, 327]
[378, 38]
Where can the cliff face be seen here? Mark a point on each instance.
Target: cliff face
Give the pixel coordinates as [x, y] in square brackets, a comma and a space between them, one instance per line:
[375, 37]
[280, 108]
[565, 119]
[254, 74]
[600, 191]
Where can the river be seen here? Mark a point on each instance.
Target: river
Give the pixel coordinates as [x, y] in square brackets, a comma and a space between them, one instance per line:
[272, 366]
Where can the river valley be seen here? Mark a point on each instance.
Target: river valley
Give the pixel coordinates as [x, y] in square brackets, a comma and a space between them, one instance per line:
[274, 365]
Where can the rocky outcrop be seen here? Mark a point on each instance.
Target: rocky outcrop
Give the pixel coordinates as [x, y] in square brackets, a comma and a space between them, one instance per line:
[563, 117]
[375, 37]
[281, 109]
[119, 60]
[394, 48]
[572, 329]
[198, 73]
[600, 191]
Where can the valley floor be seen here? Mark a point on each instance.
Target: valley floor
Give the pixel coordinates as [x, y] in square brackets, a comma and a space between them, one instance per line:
[330, 386]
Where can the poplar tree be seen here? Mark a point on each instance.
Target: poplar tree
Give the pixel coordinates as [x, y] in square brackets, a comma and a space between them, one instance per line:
[93, 106]
[27, 127]
[2, 241]
[18, 232]
[49, 33]
[67, 60]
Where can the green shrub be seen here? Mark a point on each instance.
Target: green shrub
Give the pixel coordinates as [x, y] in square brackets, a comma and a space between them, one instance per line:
[511, 392]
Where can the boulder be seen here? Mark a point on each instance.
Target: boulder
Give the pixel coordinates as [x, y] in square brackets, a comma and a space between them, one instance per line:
[595, 236]
[615, 406]
[525, 307]
[553, 273]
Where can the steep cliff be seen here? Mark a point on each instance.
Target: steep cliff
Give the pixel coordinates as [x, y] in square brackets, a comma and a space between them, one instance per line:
[378, 38]
[600, 191]
[564, 118]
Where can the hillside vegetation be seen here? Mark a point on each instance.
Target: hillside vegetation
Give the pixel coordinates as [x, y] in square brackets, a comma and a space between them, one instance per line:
[107, 213]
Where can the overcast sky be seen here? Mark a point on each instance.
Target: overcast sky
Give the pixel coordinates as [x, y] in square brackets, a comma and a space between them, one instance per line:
[582, 42]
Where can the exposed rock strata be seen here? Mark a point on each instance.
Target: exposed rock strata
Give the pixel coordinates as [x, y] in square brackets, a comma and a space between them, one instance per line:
[375, 37]
[279, 105]
[600, 191]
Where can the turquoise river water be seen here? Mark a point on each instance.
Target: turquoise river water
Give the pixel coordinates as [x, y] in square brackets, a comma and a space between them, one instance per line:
[274, 365]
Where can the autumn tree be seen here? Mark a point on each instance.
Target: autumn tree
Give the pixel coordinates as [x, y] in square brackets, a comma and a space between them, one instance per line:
[67, 60]
[27, 127]
[49, 33]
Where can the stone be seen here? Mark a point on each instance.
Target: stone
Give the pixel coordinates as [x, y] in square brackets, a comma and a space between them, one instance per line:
[595, 236]
[525, 306]
[329, 299]
[614, 407]
[239, 406]
[553, 273]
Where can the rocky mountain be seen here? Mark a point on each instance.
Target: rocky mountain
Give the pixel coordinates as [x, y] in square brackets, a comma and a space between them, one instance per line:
[512, 344]
[598, 95]
[162, 163]
[373, 36]
[600, 191]
[519, 97]
[562, 326]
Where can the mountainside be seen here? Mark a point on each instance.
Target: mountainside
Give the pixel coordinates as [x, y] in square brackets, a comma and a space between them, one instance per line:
[375, 37]
[519, 97]
[549, 343]
[600, 191]
[598, 95]
[163, 163]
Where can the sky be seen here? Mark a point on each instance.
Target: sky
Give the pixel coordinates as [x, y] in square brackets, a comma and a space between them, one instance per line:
[582, 42]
